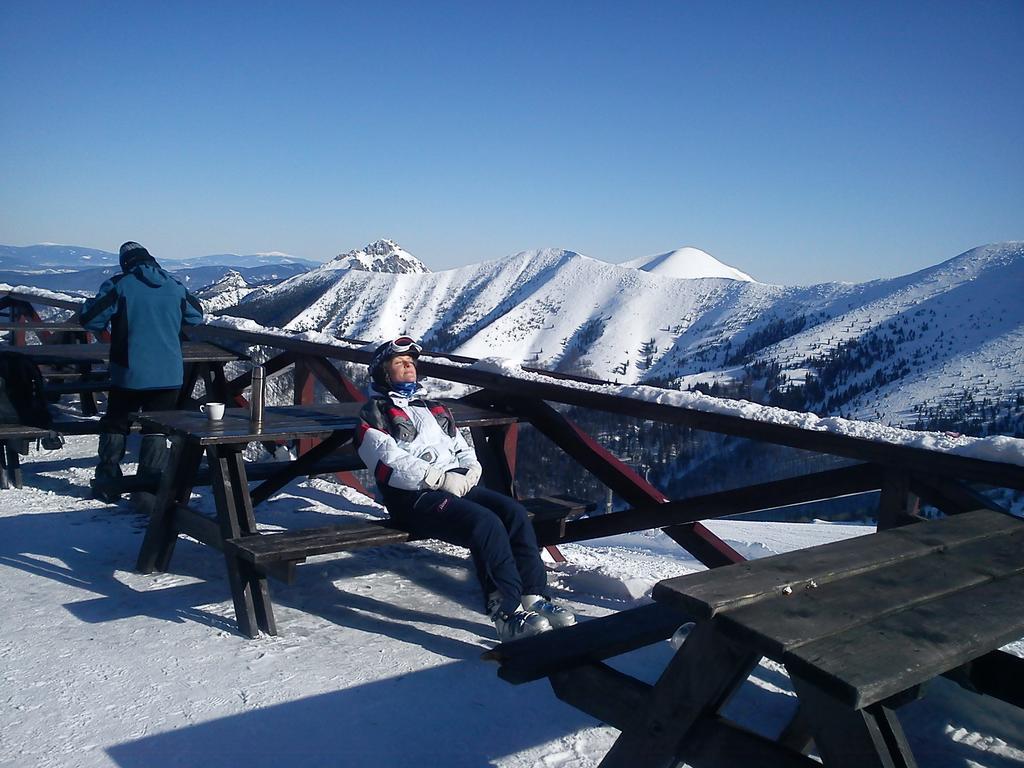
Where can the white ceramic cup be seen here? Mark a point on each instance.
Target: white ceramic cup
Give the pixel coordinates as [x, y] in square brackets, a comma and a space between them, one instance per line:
[213, 411]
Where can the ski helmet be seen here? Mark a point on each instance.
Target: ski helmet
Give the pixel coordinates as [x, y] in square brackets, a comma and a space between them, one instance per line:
[403, 345]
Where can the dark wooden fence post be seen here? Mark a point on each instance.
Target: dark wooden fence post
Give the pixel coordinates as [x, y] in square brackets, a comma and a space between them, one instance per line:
[897, 505]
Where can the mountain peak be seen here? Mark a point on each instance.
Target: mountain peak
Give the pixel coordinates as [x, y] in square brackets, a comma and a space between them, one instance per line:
[231, 280]
[379, 256]
[686, 263]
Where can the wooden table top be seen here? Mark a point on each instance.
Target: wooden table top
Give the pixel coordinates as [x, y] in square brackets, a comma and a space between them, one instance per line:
[43, 325]
[99, 352]
[872, 615]
[286, 422]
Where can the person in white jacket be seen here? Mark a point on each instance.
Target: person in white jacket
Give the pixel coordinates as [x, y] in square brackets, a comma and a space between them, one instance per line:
[428, 476]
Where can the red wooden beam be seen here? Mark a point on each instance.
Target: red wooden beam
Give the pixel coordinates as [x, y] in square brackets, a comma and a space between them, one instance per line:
[694, 537]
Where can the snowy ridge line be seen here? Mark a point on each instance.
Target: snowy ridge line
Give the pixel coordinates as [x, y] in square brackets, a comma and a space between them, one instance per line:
[997, 449]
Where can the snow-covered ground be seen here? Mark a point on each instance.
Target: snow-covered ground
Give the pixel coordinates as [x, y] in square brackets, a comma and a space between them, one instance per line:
[378, 660]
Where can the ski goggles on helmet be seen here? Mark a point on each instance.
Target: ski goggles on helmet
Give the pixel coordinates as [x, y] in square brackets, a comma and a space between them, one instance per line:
[403, 345]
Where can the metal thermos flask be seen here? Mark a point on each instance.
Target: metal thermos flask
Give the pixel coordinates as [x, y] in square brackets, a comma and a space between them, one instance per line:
[258, 398]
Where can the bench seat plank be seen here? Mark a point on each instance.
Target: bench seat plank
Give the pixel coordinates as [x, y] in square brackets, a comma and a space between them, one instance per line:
[584, 643]
[709, 592]
[298, 545]
[776, 626]
[871, 662]
[22, 432]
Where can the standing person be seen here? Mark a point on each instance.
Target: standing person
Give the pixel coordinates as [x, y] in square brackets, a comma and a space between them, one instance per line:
[427, 474]
[146, 309]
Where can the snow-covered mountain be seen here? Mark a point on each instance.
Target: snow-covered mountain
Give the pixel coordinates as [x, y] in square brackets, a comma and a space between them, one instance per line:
[379, 256]
[686, 263]
[900, 350]
[226, 292]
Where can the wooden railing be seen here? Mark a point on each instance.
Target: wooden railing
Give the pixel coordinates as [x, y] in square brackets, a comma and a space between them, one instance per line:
[904, 474]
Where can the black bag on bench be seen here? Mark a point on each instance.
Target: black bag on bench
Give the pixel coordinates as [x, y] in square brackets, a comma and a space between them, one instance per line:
[22, 400]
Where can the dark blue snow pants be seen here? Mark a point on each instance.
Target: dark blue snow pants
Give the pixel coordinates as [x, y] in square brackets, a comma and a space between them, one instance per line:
[495, 529]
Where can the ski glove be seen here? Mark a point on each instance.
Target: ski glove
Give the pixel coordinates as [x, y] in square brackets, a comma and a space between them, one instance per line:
[455, 483]
[473, 473]
[433, 478]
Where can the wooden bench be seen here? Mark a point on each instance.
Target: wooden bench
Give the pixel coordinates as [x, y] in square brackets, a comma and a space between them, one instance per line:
[860, 626]
[265, 549]
[12, 441]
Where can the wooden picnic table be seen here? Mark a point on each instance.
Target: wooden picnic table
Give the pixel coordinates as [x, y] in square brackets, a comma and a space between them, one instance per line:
[99, 353]
[201, 359]
[860, 626]
[234, 530]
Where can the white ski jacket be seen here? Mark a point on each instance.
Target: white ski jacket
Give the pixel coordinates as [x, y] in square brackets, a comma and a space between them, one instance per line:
[409, 449]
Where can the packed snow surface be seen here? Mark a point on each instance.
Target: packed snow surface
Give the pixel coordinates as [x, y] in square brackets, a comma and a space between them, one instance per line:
[378, 658]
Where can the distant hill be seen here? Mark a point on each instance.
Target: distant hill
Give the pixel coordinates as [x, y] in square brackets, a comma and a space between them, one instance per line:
[686, 263]
[32, 258]
[47, 256]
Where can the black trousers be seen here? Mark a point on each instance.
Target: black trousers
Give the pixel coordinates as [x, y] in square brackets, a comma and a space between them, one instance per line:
[122, 406]
[125, 404]
[497, 531]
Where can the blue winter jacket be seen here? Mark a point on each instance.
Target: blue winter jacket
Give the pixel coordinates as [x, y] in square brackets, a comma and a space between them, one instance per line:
[146, 309]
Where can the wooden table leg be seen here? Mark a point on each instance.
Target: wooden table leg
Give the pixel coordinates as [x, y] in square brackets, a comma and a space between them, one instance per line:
[176, 485]
[87, 398]
[698, 681]
[853, 738]
[217, 384]
[11, 465]
[189, 379]
[249, 588]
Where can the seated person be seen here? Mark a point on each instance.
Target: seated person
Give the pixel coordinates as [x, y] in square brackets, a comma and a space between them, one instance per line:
[427, 475]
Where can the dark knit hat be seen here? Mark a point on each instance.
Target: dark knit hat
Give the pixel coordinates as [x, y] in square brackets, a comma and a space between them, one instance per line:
[132, 254]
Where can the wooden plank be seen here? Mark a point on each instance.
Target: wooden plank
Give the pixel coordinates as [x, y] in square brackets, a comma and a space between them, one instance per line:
[998, 674]
[817, 486]
[300, 544]
[778, 625]
[285, 422]
[699, 679]
[43, 325]
[46, 301]
[698, 540]
[913, 646]
[23, 431]
[585, 642]
[862, 449]
[848, 738]
[302, 466]
[897, 505]
[201, 528]
[715, 741]
[951, 496]
[705, 594]
[604, 693]
[99, 352]
[556, 507]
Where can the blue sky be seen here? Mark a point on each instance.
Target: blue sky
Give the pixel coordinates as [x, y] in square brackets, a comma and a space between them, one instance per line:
[798, 141]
